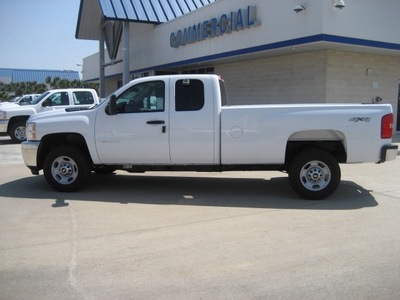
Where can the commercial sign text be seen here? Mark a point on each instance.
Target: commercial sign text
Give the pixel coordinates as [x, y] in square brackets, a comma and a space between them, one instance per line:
[226, 23]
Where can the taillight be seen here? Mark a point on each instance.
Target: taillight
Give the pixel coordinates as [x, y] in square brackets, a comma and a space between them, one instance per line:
[387, 127]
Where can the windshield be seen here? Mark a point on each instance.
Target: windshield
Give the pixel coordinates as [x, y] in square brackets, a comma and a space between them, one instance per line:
[40, 98]
[15, 99]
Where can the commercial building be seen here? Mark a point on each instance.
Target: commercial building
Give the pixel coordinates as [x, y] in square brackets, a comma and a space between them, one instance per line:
[268, 51]
[8, 75]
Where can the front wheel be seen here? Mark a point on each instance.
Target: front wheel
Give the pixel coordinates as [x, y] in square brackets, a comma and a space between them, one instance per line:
[314, 174]
[18, 132]
[66, 169]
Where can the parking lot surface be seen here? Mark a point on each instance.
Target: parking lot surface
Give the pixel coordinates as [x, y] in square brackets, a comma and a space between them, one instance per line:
[235, 235]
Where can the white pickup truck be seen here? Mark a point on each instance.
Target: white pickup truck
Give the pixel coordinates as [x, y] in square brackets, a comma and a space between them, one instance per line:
[184, 123]
[13, 117]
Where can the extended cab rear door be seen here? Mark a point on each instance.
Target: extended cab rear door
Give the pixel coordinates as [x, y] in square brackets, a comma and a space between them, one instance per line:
[192, 128]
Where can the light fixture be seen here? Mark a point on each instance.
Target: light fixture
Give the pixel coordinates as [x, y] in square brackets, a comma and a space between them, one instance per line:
[340, 4]
[299, 8]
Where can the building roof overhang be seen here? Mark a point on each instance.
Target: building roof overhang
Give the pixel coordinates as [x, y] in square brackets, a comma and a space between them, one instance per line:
[93, 13]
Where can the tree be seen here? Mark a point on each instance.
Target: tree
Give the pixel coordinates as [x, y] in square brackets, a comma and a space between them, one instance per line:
[3, 96]
[48, 80]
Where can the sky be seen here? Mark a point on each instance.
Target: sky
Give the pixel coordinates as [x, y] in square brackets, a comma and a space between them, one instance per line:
[40, 34]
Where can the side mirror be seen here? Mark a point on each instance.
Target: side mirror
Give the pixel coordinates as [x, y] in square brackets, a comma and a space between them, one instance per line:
[47, 102]
[112, 105]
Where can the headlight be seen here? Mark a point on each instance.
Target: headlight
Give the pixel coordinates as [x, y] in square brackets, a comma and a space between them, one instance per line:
[3, 115]
[31, 131]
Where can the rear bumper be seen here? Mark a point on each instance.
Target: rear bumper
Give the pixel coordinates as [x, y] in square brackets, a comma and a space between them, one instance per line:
[388, 153]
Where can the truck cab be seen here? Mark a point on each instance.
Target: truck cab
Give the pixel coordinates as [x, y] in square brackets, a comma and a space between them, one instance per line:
[150, 122]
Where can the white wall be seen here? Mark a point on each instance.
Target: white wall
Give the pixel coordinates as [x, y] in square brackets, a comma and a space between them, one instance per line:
[364, 19]
[376, 20]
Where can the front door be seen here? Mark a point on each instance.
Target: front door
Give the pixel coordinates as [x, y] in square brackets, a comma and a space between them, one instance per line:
[58, 100]
[137, 134]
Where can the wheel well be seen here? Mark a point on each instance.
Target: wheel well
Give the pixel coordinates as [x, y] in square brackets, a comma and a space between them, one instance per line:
[16, 119]
[52, 141]
[335, 148]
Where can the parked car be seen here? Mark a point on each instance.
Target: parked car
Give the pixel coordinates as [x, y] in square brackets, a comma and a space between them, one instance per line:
[13, 117]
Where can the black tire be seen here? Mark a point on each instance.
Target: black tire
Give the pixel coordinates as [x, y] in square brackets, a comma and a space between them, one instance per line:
[314, 174]
[66, 169]
[18, 132]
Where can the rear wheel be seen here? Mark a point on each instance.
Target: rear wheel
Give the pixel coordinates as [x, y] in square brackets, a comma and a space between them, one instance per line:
[314, 174]
[66, 169]
[18, 132]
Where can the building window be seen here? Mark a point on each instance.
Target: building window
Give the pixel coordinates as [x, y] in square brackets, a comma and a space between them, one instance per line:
[199, 71]
[140, 75]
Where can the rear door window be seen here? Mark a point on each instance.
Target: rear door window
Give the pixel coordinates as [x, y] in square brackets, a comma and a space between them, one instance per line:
[83, 97]
[189, 95]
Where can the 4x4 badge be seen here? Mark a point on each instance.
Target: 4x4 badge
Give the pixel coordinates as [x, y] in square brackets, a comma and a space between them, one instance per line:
[360, 119]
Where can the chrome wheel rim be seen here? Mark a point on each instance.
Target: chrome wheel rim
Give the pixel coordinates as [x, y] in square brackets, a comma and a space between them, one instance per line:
[315, 175]
[20, 133]
[64, 170]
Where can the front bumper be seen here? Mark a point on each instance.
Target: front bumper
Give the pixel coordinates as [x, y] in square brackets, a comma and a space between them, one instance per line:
[388, 152]
[3, 126]
[29, 151]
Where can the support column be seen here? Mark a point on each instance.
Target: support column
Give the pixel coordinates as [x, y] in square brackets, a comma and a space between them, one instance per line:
[126, 53]
[102, 87]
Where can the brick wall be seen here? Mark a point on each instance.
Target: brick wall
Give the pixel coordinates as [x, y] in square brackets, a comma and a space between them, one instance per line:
[320, 76]
[325, 76]
[349, 81]
[296, 78]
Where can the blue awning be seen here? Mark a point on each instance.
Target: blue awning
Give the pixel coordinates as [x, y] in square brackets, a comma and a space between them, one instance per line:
[91, 12]
[149, 11]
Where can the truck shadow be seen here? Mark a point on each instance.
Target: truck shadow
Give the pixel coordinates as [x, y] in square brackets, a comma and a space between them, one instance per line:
[5, 140]
[194, 191]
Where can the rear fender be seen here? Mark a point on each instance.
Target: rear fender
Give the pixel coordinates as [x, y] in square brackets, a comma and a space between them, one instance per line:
[331, 141]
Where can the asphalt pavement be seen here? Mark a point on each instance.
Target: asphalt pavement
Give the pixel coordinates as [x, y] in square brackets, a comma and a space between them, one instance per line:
[234, 235]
